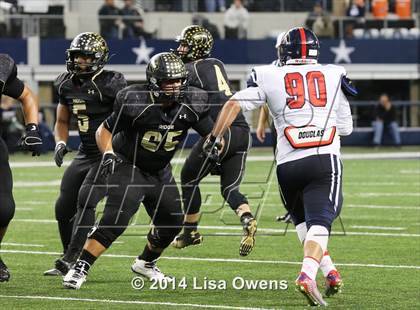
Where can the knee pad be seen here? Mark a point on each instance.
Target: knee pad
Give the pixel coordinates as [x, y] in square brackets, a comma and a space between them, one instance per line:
[104, 236]
[234, 198]
[301, 231]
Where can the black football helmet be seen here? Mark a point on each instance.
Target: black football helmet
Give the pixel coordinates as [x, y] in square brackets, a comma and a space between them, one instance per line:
[199, 41]
[299, 46]
[88, 44]
[165, 67]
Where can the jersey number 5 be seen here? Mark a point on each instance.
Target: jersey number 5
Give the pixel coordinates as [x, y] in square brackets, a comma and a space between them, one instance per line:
[295, 88]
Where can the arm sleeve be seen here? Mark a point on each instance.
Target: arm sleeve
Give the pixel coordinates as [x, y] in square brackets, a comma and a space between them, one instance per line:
[344, 118]
[250, 98]
[13, 86]
[347, 87]
[204, 126]
[57, 87]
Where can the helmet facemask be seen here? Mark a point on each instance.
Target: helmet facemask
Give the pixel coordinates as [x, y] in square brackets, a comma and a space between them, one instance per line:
[167, 77]
[168, 91]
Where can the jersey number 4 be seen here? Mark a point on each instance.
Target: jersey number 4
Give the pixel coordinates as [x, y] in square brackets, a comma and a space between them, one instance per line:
[295, 88]
[221, 82]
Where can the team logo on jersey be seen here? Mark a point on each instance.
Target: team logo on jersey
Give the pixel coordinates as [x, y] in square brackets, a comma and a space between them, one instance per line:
[166, 127]
[91, 91]
[309, 136]
[183, 116]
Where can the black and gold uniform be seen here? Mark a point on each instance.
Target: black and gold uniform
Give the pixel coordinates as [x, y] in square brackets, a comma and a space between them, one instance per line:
[209, 74]
[147, 129]
[12, 86]
[88, 95]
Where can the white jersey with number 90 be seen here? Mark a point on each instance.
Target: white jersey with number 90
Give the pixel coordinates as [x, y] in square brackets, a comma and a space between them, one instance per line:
[309, 109]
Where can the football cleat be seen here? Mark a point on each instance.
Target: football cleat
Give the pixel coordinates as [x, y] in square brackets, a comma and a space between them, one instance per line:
[284, 218]
[63, 266]
[309, 289]
[4, 272]
[333, 283]
[76, 276]
[53, 272]
[148, 270]
[248, 239]
[187, 239]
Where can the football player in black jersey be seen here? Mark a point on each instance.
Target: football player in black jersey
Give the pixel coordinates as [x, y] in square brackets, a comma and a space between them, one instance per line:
[11, 85]
[209, 74]
[88, 92]
[148, 124]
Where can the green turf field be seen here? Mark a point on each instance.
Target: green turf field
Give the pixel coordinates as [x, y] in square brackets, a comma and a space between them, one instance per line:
[377, 253]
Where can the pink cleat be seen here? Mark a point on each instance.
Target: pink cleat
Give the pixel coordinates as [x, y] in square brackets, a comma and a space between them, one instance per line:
[309, 289]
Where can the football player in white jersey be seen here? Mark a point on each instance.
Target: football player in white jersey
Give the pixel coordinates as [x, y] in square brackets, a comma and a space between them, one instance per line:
[310, 110]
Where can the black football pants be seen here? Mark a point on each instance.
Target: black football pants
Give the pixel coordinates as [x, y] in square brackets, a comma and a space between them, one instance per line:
[231, 169]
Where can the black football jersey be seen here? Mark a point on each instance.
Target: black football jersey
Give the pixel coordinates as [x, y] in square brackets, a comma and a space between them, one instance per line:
[10, 85]
[91, 101]
[210, 74]
[146, 133]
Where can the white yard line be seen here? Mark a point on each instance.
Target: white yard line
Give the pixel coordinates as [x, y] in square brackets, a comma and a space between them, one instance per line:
[384, 194]
[405, 184]
[23, 244]
[239, 228]
[181, 160]
[414, 171]
[129, 302]
[382, 207]
[229, 260]
[35, 184]
[35, 220]
[378, 227]
[36, 202]
[357, 206]
[24, 209]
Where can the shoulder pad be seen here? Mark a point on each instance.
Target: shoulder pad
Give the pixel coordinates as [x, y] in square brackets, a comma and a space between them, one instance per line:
[132, 98]
[215, 60]
[192, 77]
[7, 67]
[197, 100]
[60, 79]
[347, 87]
[111, 82]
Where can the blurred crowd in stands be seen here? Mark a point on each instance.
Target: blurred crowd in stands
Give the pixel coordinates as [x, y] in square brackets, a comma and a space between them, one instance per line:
[125, 18]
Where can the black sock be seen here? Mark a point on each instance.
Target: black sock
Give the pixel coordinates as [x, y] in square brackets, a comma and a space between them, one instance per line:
[88, 258]
[84, 224]
[245, 216]
[190, 227]
[149, 255]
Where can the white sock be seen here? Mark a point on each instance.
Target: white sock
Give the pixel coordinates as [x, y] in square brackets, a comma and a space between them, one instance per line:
[310, 266]
[326, 264]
